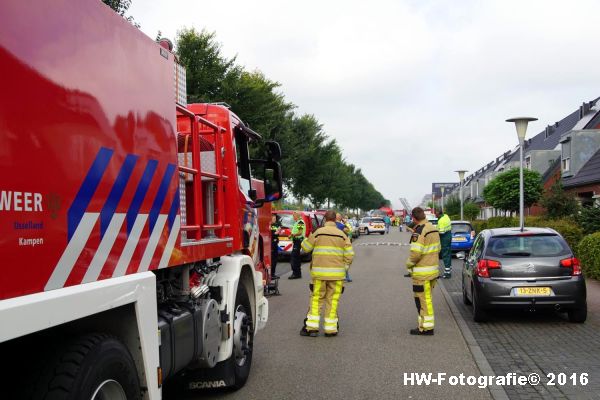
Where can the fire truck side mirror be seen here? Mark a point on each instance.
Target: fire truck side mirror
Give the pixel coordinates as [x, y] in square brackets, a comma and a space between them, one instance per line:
[273, 150]
[273, 181]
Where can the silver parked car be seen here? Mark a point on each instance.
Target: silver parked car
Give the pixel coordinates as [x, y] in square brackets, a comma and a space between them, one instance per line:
[529, 269]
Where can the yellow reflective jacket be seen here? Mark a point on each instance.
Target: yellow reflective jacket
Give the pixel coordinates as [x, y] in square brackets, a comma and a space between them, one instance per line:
[424, 252]
[444, 224]
[332, 253]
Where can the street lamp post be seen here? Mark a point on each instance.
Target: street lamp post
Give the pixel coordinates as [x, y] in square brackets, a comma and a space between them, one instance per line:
[521, 126]
[461, 176]
[442, 189]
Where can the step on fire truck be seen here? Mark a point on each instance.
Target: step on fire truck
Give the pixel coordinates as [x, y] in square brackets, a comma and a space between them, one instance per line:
[133, 249]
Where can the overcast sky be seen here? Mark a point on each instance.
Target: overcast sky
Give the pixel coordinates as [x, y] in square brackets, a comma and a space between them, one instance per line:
[415, 89]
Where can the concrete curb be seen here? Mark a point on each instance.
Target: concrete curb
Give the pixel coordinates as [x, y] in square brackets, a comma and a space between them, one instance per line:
[497, 392]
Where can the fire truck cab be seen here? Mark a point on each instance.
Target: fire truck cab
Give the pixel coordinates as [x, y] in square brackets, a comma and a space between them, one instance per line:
[132, 252]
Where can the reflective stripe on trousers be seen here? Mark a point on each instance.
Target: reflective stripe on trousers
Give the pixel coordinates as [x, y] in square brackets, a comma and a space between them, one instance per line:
[423, 300]
[327, 292]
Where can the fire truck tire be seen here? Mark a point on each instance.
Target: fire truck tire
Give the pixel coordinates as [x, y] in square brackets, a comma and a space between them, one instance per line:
[95, 366]
[243, 344]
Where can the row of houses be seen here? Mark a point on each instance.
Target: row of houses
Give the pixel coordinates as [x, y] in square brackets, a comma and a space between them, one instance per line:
[567, 150]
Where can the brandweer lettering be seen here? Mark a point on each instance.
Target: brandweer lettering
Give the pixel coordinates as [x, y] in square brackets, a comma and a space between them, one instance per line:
[20, 201]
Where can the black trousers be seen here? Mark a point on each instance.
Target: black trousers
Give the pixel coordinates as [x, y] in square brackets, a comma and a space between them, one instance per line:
[295, 260]
[274, 256]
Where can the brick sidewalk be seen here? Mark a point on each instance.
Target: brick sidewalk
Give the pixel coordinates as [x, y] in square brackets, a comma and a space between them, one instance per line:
[541, 342]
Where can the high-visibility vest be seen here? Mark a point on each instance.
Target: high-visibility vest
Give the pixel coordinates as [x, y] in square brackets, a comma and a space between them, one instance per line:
[444, 224]
[299, 227]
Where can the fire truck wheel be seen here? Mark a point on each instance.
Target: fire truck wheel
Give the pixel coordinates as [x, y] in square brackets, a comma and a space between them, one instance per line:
[243, 338]
[95, 366]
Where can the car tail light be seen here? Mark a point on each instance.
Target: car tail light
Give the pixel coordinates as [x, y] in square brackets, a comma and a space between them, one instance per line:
[484, 266]
[472, 235]
[571, 263]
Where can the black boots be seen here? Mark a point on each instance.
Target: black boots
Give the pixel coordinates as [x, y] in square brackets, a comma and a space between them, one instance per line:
[416, 331]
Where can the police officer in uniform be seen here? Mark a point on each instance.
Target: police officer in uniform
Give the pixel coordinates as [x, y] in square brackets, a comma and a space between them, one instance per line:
[445, 228]
[332, 255]
[422, 264]
[298, 234]
[275, 231]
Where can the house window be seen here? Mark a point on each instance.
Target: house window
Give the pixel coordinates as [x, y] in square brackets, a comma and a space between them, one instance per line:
[528, 162]
[566, 155]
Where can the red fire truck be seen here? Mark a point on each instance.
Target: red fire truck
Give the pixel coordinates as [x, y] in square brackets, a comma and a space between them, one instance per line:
[131, 252]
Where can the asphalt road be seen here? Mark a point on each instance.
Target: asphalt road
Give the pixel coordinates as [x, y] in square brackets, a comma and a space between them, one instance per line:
[373, 351]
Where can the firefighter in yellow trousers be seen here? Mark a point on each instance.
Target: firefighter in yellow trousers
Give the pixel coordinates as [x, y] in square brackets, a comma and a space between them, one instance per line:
[422, 265]
[332, 255]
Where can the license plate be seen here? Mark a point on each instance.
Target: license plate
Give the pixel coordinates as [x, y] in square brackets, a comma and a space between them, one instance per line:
[534, 291]
[378, 227]
[459, 239]
[284, 238]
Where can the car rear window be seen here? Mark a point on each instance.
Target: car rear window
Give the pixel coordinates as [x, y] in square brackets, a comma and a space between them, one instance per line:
[377, 221]
[527, 246]
[461, 228]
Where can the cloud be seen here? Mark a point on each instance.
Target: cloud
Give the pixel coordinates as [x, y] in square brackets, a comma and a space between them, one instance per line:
[412, 90]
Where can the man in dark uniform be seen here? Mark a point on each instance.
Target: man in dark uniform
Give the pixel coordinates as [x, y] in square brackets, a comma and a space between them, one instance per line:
[275, 231]
[298, 234]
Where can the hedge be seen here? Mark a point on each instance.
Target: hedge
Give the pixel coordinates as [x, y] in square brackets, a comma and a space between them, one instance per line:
[568, 229]
[589, 255]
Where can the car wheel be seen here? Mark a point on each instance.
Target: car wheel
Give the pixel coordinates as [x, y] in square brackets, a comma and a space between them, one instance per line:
[368, 232]
[578, 315]
[383, 233]
[479, 315]
[464, 293]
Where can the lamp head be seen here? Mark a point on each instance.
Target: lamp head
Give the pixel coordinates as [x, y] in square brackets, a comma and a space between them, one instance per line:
[521, 125]
[461, 174]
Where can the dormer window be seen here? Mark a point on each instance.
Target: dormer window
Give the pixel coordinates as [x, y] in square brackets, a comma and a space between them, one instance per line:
[566, 155]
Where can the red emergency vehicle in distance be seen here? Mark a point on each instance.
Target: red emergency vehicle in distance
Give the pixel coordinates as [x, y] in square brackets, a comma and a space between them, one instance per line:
[123, 212]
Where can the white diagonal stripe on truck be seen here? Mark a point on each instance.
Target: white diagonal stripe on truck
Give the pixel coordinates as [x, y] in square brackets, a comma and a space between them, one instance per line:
[106, 245]
[152, 243]
[71, 254]
[166, 256]
[132, 242]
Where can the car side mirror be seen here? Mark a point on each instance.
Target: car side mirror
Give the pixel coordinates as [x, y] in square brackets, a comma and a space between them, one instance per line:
[461, 255]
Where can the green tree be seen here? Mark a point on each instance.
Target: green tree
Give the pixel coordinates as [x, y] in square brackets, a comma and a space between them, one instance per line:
[206, 67]
[589, 219]
[452, 205]
[470, 210]
[558, 203]
[502, 192]
[121, 7]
